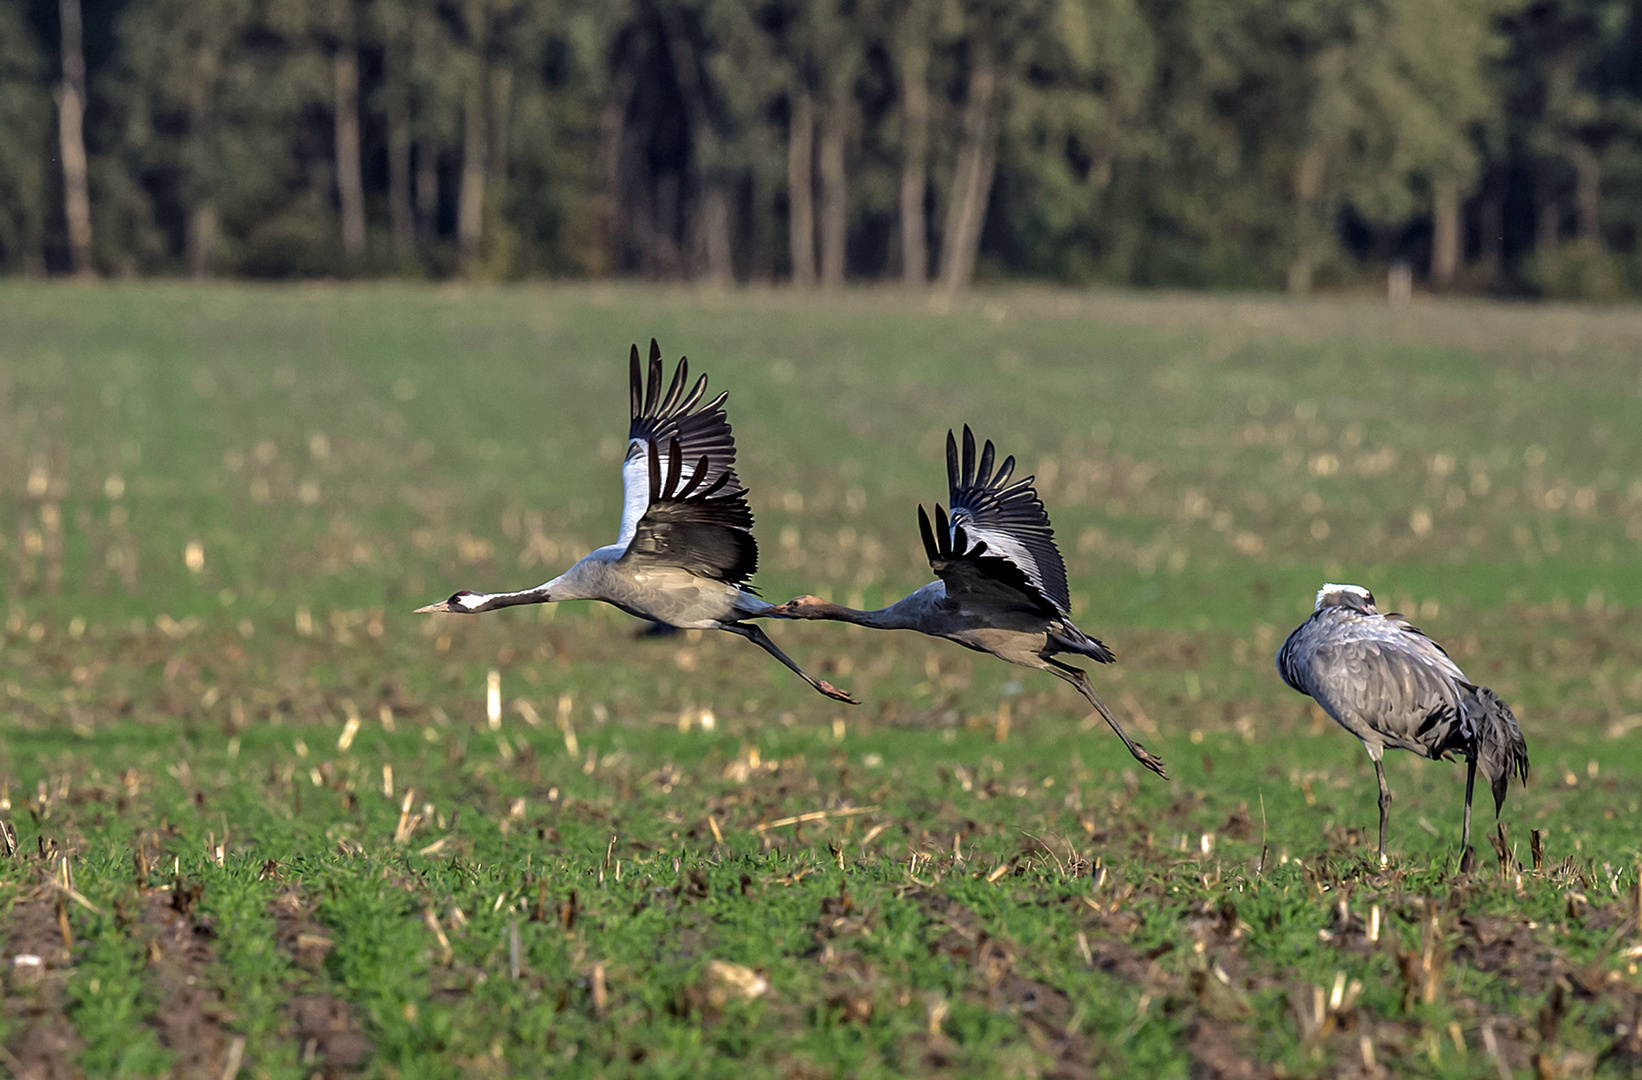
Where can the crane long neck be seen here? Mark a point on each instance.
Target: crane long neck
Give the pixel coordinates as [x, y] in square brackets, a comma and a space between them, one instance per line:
[894, 617]
[583, 581]
[541, 594]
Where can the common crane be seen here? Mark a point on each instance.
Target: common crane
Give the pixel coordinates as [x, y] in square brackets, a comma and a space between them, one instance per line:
[1002, 587]
[1391, 686]
[686, 548]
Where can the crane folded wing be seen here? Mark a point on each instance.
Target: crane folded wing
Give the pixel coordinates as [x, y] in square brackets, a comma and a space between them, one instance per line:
[1007, 520]
[1385, 674]
[701, 430]
[702, 526]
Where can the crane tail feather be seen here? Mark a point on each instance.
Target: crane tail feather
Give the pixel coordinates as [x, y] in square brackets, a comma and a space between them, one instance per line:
[1500, 748]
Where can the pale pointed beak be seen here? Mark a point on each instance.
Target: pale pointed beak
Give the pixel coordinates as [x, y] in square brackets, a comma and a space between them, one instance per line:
[443, 605]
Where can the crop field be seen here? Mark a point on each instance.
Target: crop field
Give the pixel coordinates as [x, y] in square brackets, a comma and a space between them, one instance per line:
[269, 823]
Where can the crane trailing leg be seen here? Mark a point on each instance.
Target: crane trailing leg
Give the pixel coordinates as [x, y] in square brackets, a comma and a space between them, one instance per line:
[1468, 857]
[1080, 679]
[762, 640]
[1385, 803]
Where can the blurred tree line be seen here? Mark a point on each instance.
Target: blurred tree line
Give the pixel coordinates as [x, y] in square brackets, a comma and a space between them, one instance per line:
[1489, 144]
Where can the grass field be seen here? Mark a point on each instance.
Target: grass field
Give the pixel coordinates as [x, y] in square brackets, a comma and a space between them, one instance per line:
[266, 822]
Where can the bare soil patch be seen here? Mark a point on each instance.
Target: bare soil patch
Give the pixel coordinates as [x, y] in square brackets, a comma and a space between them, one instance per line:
[323, 1025]
[192, 1018]
[37, 962]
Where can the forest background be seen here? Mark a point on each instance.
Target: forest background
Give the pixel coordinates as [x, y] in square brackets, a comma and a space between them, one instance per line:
[1487, 145]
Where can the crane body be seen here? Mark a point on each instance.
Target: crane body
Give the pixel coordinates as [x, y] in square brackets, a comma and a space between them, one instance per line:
[1393, 687]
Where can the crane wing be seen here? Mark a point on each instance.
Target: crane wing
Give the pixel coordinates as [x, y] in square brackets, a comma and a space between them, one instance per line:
[702, 432]
[1007, 520]
[974, 577]
[703, 526]
[1379, 671]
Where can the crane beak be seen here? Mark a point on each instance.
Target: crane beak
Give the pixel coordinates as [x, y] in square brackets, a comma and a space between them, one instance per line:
[443, 605]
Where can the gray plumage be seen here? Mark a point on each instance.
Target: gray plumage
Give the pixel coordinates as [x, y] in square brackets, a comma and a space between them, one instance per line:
[1002, 587]
[1391, 686]
[685, 550]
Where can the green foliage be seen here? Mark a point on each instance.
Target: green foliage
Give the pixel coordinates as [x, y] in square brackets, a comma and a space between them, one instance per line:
[1577, 271]
[1193, 142]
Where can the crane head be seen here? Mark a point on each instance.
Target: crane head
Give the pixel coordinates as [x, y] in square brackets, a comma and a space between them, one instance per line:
[1354, 597]
[463, 602]
[801, 607]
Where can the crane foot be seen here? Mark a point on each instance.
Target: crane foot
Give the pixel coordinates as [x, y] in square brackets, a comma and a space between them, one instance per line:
[1149, 759]
[833, 692]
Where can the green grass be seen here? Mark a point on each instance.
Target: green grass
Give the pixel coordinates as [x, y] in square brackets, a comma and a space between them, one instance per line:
[550, 896]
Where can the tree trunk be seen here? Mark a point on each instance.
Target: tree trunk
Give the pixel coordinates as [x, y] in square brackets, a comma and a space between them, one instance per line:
[399, 189]
[971, 181]
[427, 187]
[707, 221]
[71, 104]
[1299, 275]
[1445, 231]
[1308, 185]
[1547, 226]
[470, 204]
[201, 240]
[350, 182]
[834, 198]
[1588, 193]
[496, 157]
[613, 140]
[400, 212]
[664, 258]
[1491, 236]
[915, 163]
[801, 189]
[717, 246]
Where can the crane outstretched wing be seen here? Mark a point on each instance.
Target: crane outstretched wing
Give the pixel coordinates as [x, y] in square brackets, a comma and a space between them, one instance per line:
[970, 573]
[702, 432]
[1378, 670]
[1001, 528]
[703, 526]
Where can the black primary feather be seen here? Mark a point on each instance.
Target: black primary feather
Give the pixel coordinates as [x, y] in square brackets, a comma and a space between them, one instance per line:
[966, 567]
[1007, 518]
[702, 430]
[704, 526]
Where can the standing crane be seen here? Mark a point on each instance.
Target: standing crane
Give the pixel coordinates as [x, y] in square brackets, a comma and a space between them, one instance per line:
[1002, 587]
[1391, 686]
[686, 550]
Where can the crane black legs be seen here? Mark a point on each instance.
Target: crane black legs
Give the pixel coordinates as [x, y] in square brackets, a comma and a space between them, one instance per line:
[1385, 804]
[1467, 856]
[762, 640]
[1080, 679]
